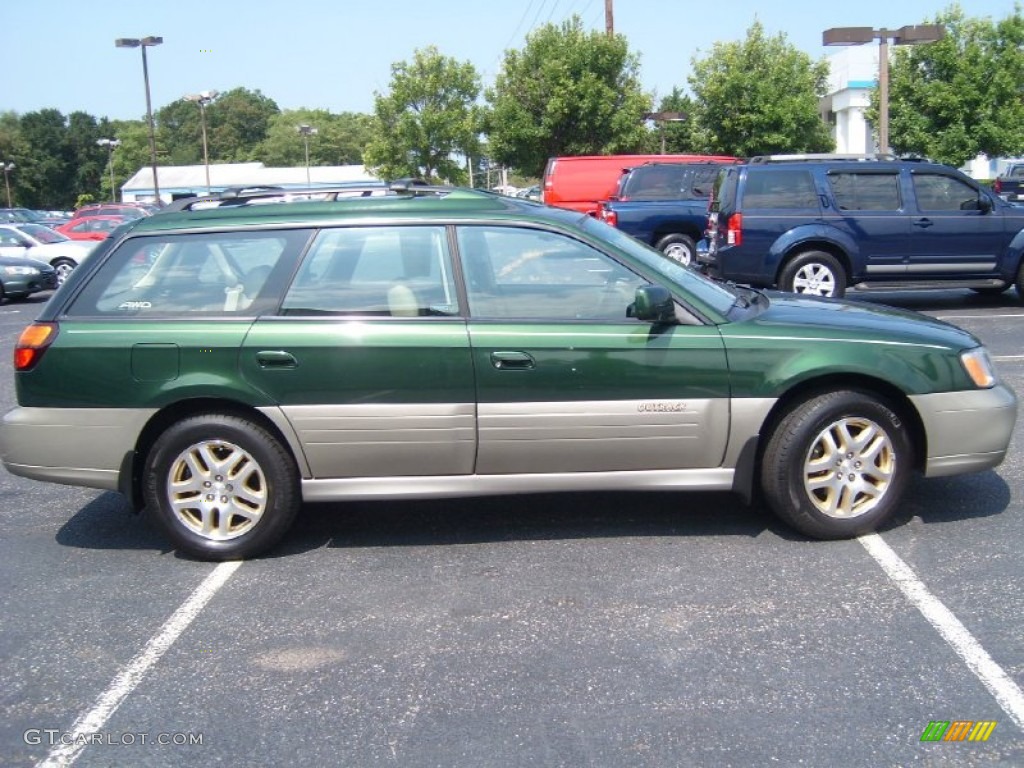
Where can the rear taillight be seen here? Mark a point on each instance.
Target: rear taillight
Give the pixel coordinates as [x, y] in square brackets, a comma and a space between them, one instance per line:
[32, 343]
[997, 186]
[608, 216]
[734, 229]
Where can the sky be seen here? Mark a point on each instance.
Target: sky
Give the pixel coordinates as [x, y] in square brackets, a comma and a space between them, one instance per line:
[334, 54]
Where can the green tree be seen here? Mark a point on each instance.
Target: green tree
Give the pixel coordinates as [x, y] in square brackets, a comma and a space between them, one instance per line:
[567, 92]
[45, 176]
[427, 118]
[961, 95]
[340, 139]
[759, 96]
[680, 136]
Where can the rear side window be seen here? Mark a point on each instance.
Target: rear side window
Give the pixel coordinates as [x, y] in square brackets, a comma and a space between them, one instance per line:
[375, 271]
[209, 273]
[780, 189]
[865, 191]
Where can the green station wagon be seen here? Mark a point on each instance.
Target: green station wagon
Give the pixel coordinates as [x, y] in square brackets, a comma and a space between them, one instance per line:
[219, 367]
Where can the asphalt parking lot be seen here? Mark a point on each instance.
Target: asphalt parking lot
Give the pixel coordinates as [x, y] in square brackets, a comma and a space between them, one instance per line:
[550, 630]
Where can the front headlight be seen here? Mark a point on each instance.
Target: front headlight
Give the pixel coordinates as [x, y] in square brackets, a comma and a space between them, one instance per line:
[978, 365]
[21, 271]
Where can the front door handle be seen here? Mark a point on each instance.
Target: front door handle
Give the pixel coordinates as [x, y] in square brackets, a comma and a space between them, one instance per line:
[276, 359]
[512, 361]
[923, 223]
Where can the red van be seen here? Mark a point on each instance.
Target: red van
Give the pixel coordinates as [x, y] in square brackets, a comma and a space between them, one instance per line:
[580, 183]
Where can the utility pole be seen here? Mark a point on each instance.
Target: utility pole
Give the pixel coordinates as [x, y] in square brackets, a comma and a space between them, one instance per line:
[609, 18]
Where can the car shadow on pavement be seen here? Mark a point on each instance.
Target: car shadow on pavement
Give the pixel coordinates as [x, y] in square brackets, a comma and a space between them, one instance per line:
[107, 522]
[523, 517]
[952, 499]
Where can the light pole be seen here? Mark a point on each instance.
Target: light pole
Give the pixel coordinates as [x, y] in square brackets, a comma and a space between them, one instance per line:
[908, 35]
[306, 131]
[664, 117]
[110, 144]
[144, 43]
[8, 167]
[202, 99]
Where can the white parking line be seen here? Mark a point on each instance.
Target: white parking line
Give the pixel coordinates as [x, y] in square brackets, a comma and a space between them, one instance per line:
[1006, 692]
[126, 681]
[1008, 357]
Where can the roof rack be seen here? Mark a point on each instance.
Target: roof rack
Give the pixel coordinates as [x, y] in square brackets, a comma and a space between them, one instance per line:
[811, 157]
[262, 195]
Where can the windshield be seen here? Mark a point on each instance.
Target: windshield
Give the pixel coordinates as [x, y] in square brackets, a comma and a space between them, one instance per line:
[713, 294]
[43, 233]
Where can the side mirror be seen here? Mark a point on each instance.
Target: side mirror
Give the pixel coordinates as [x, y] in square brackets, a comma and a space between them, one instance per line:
[653, 304]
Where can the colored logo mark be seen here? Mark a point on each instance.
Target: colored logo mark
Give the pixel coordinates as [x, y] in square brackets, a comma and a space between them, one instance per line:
[958, 730]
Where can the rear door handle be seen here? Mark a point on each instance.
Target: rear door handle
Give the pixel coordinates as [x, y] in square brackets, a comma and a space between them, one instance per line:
[923, 222]
[512, 361]
[276, 359]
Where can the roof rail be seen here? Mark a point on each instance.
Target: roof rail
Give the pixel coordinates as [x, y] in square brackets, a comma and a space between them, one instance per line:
[810, 157]
[263, 195]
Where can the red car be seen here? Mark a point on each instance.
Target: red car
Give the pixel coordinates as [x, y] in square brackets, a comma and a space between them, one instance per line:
[91, 227]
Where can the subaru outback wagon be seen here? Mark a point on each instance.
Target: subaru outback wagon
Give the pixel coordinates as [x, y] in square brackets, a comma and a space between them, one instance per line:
[820, 224]
[220, 367]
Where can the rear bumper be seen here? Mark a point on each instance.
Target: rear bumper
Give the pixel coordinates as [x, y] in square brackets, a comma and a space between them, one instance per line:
[73, 446]
[966, 431]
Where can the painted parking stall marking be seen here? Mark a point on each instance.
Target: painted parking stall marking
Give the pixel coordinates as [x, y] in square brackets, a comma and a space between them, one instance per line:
[1006, 692]
[129, 678]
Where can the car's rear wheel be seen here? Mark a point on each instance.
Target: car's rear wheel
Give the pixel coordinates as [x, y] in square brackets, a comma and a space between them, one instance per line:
[221, 487]
[679, 248]
[63, 267]
[836, 464]
[815, 273]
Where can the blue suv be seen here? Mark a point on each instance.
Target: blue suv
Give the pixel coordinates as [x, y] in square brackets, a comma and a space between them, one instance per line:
[820, 224]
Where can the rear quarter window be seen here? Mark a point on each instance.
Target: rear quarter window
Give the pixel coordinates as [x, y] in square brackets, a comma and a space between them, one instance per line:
[779, 189]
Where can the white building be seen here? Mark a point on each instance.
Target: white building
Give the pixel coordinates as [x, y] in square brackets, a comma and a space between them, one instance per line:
[853, 77]
[184, 180]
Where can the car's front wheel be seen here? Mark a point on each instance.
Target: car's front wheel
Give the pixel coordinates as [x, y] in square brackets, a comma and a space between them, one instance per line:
[815, 273]
[678, 248]
[836, 464]
[221, 487]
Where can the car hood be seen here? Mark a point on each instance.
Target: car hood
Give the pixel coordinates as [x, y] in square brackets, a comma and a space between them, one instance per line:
[23, 261]
[77, 249]
[816, 318]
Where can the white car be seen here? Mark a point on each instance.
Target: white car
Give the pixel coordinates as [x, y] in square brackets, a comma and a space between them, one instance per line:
[40, 242]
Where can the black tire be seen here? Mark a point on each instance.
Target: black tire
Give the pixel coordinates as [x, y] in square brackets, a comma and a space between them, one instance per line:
[258, 487]
[64, 268]
[679, 248]
[827, 493]
[814, 273]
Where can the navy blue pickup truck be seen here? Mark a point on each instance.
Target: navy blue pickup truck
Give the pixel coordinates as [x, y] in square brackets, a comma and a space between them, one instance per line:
[664, 205]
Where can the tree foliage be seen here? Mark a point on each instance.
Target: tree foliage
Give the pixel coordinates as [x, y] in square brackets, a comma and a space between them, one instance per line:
[340, 139]
[427, 118]
[567, 92]
[961, 95]
[759, 96]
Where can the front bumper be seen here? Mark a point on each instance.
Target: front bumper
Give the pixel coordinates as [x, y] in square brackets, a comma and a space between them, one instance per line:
[966, 431]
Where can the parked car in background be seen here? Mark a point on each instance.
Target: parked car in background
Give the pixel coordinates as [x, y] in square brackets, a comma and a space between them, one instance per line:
[443, 342]
[664, 205]
[820, 224]
[21, 276]
[1009, 185]
[16, 214]
[44, 244]
[91, 227]
[581, 183]
[124, 210]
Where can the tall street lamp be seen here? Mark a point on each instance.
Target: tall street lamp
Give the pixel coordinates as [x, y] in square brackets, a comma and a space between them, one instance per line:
[8, 167]
[144, 43]
[908, 35]
[202, 99]
[664, 117]
[110, 144]
[306, 131]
